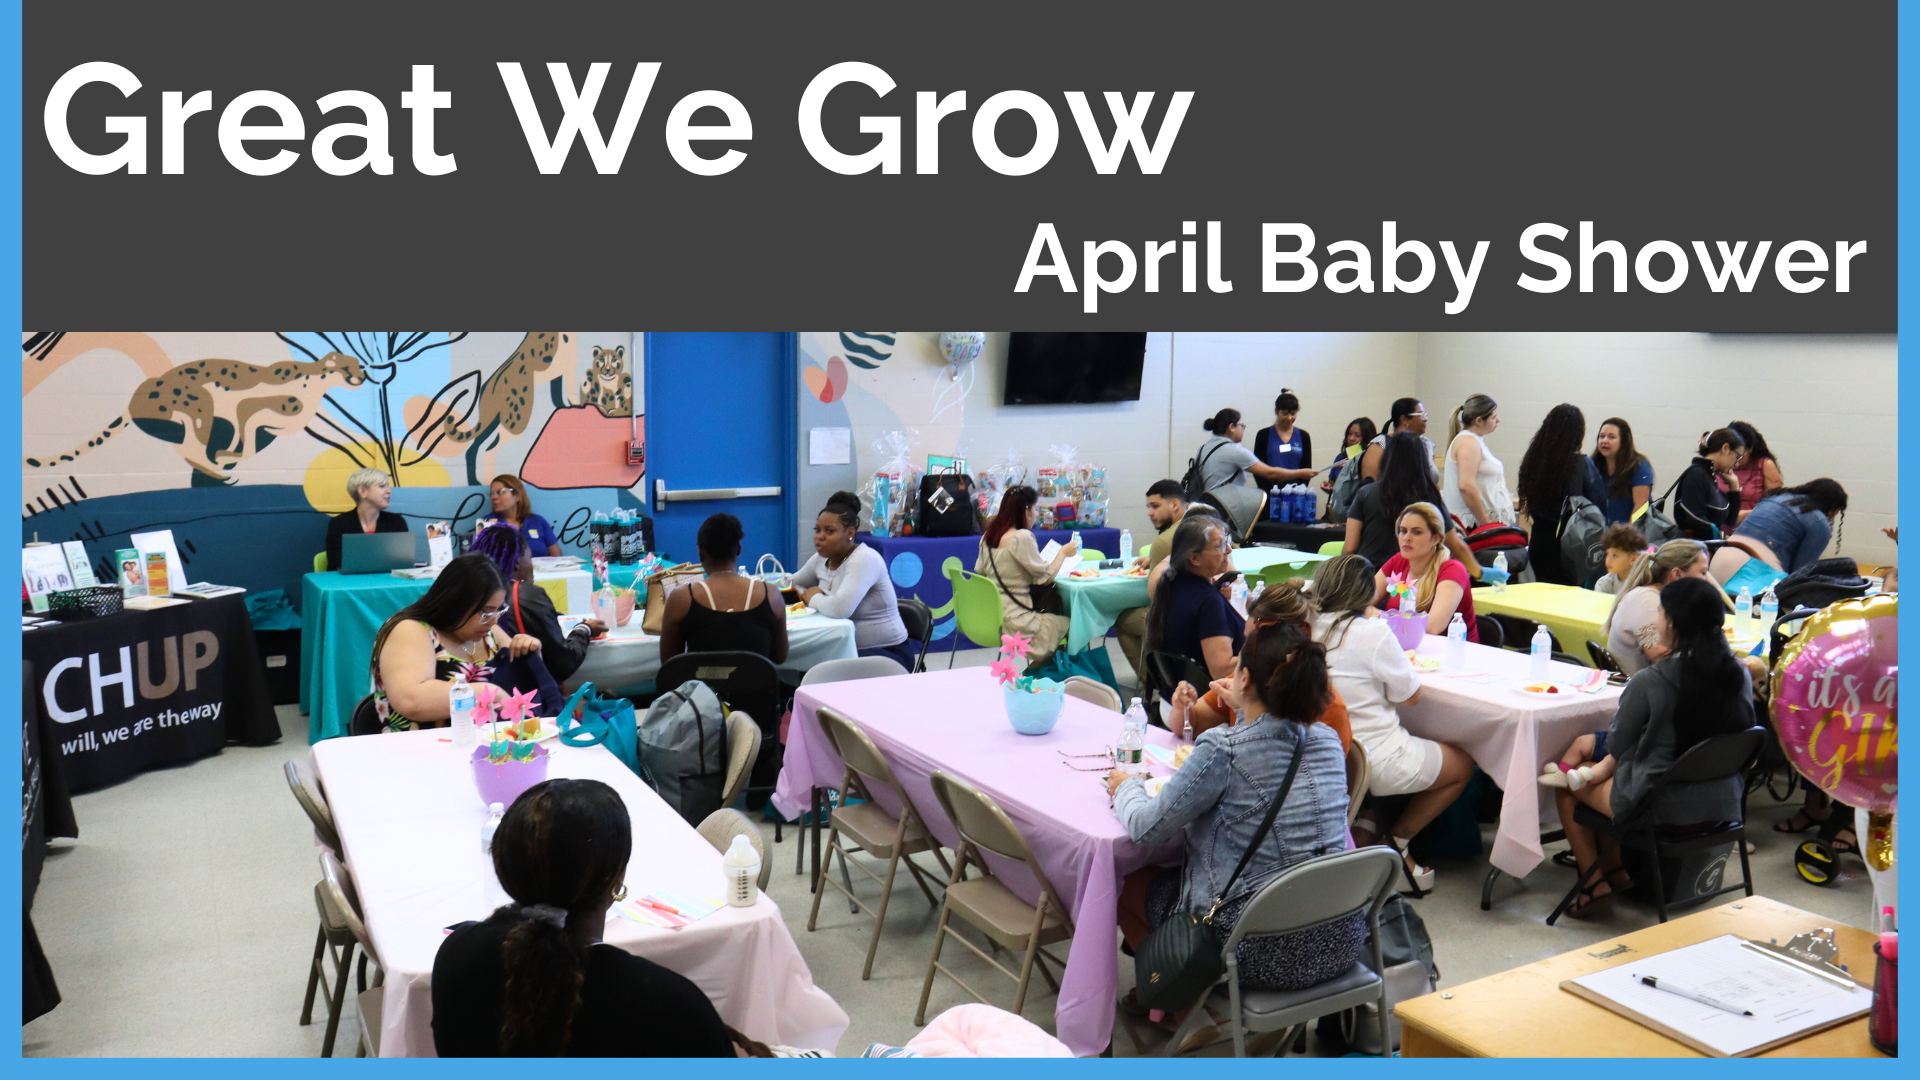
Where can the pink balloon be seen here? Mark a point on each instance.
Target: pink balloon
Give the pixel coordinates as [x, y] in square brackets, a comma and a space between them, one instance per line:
[1836, 703]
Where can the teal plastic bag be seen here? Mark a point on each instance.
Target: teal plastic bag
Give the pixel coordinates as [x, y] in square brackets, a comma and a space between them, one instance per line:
[1092, 663]
[591, 720]
[271, 610]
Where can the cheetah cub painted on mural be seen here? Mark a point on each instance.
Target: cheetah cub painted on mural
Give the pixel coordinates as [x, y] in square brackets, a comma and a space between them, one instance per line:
[609, 385]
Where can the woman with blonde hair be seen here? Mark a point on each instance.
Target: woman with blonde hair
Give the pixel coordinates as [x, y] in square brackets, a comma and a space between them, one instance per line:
[371, 491]
[1632, 627]
[1441, 584]
[1475, 483]
[1373, 676]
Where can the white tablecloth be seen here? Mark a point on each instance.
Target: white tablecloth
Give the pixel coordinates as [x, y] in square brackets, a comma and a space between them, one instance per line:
[410, 820]
[1511, 735]
[629, 657]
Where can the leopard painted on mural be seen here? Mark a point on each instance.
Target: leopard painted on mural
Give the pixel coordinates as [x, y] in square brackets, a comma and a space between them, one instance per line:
[506, 400]
[222, 412]
[609, 385]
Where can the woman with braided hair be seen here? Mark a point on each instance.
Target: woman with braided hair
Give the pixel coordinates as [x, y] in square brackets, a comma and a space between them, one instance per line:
[534, 979]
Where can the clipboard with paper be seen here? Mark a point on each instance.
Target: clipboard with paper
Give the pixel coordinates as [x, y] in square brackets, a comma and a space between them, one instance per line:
[1788, 1002]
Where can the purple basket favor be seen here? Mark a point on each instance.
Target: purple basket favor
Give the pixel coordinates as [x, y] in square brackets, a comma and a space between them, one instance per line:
[1408, 627]
[506, 781]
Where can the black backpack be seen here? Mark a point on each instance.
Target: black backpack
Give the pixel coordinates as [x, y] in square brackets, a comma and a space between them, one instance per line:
[1193, 482]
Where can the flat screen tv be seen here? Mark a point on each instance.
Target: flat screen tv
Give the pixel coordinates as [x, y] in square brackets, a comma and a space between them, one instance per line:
[1060, 369]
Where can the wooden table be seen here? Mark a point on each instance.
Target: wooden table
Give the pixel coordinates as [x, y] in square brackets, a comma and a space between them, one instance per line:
[1524, 1013]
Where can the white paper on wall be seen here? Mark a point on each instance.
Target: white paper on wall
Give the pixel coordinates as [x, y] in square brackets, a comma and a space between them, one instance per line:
[830, 446]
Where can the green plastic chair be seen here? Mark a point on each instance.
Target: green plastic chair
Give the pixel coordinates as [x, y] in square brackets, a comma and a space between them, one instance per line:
[319, 562]
[1274, 573]
[1092, 553]
[1332, 547]
[976, 609]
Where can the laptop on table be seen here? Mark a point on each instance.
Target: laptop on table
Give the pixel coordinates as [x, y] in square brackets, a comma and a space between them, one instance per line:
[375, 553]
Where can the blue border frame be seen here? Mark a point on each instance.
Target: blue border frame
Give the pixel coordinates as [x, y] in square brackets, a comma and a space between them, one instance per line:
[11, 116]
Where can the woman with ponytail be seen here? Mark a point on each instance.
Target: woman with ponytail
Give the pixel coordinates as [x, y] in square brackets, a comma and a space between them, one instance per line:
[1220, 796]
[1697, 690]
[1475, 482]
[1374, 677]
[1632, 627]
[534, 979]
[1225, 465]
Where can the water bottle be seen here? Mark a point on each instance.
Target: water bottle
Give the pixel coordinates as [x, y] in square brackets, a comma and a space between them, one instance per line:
[495, 812]
[1743, 614]
[1126, 546]
[460, 705]
[1130, 755]
[1769, 611]
[1239, 591]
[1457, 642]
[1542, 654]
[1500, 564]
[1276, 504]
[743, 872]
[1079, 546]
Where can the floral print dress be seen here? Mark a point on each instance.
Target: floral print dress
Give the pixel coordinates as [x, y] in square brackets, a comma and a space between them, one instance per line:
[445, 666]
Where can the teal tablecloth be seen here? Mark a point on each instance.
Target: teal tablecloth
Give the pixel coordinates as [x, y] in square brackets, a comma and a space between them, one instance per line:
[342, 615]
[1094, 605]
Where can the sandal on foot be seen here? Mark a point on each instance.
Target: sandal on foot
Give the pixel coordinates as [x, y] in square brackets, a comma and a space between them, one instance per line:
[1800, 822]
[1422, 875]
[1844, 842]
[1619, 880]
[1590, 903]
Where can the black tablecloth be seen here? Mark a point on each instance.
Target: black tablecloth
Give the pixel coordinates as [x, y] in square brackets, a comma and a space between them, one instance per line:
[1306, 537]
[39, 993]
[141, 689]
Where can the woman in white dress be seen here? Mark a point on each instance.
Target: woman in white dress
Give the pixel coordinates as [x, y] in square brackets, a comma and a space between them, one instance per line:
[1475, 484]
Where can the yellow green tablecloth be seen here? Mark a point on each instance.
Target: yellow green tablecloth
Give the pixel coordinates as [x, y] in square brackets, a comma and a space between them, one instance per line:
[1572, 615]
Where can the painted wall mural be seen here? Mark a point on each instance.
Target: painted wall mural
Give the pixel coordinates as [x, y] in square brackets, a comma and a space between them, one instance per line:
[242, 442]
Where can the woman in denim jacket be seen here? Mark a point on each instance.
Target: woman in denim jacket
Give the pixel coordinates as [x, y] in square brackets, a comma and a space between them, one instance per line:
[1220, 796]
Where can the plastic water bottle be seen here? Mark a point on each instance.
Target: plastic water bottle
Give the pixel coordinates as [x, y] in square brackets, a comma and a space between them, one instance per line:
[743, 872]
[1126, 546]
[1542, 654]
[460, 705]
[1130, 754]
[1240, 596]
[1743, 614]
[1079, 546]
[1500, 564]
[495, 812]
[1457, 642]
[1276, 504]
[1769, 611]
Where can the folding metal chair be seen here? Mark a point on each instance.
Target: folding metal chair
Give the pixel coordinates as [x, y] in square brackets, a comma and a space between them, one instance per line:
[874, 830]
[992, 908]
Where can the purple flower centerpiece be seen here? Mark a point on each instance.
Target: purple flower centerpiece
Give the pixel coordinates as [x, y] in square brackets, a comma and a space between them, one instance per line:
[509, 760]
[1033, 704]
[1407, 621]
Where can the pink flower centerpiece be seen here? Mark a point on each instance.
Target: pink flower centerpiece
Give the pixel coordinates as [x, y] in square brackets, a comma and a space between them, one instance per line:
[509, 760]
[1033, 704]
[1405, 619]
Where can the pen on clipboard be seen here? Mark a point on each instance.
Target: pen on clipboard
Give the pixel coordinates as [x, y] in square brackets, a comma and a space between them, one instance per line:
[1650, 981]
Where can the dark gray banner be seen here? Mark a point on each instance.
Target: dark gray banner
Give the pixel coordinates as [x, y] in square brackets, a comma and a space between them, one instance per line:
[1432, 166]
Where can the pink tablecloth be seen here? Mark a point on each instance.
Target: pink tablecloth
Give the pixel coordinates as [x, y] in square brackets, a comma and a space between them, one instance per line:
[1510, 734]
[955, 721]
[410, 821]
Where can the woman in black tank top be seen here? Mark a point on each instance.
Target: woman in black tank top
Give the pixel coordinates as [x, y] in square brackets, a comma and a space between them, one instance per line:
[726, 612]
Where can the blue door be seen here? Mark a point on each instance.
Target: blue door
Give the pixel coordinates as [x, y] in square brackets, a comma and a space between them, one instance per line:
[722, 415]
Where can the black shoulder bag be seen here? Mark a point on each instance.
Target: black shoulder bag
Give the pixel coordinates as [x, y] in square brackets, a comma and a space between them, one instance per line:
[1182, 959]
[1043, 599]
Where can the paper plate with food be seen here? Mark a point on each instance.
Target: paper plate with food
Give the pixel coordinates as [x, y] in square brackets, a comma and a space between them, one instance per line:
[1545, 688]
[798, 611]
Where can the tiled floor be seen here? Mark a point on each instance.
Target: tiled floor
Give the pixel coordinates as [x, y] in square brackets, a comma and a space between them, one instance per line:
[181, 921]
